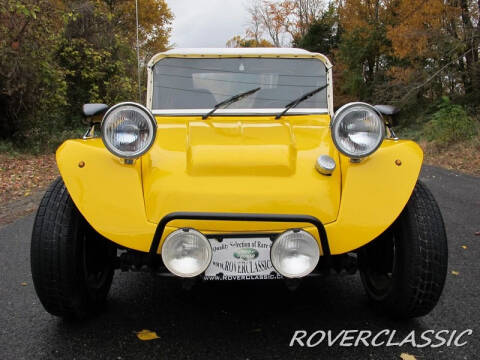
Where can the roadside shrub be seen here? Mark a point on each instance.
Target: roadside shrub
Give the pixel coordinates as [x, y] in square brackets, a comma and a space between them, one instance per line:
[7, 147]
[450, 124]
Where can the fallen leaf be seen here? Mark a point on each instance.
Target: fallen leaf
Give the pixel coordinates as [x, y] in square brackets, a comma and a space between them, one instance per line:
[405, 356]
[146, 335]
[464, 247]
[21, 175]
[23, 283]
[455, 272]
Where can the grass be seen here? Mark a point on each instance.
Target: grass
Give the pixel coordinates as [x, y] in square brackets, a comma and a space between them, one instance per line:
[462, 156]
[7, 148]
[40, 143]
[412, 132]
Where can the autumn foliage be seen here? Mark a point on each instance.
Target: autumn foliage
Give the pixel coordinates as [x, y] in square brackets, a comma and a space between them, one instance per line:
[56, 55]
[409, 53]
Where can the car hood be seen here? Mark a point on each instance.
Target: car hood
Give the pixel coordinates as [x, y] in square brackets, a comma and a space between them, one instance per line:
[240, 165]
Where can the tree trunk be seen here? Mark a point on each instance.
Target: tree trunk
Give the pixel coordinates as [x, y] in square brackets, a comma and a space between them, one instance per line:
[470, 43]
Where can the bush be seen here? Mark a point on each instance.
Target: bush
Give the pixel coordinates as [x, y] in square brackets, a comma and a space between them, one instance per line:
[7, 147]
[450, 124]
[41, 140]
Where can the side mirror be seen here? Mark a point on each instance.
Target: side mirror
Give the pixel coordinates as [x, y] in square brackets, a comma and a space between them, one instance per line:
[389, 111]
[94, 112]
[93, 115]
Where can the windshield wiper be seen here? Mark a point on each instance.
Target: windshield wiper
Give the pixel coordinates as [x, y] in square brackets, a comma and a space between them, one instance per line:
[230, 101]
[297, 101]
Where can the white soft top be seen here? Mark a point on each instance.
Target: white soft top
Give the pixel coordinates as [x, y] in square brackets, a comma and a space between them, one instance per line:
[251, 52]
[238, 51]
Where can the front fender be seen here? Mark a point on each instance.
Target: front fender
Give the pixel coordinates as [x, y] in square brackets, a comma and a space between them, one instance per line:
[374, 193]
[107, 192]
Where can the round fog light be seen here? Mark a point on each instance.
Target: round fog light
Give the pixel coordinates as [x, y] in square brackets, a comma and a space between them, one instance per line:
[295, 253]
[186, 253]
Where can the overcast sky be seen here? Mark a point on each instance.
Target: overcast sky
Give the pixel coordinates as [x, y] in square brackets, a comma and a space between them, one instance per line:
[207, 23]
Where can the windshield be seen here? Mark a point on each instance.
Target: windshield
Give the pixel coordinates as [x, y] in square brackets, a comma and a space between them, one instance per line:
[191, 83]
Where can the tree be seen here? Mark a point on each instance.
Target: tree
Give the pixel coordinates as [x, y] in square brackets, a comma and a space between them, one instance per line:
[307, 13]
[239, 42]
[56, 55]
[274, 18]
[436, 48]
[155, 20]
[32, 86]
[98, 50]
[323, 34]
[281, 21]
[364, 49]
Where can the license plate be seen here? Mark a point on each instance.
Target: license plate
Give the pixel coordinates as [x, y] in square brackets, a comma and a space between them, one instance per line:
[241, 259]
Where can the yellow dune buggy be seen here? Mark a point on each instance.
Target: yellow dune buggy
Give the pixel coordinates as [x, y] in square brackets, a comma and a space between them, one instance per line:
[238, 168]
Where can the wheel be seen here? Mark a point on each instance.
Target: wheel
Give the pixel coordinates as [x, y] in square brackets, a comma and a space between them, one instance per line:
[403, 271]
[72, 265]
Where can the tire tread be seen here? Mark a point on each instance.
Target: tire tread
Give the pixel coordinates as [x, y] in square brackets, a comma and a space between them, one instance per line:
[55, 256]
[428, 250]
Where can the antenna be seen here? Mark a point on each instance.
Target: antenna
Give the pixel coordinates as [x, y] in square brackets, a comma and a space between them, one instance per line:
[138, 56]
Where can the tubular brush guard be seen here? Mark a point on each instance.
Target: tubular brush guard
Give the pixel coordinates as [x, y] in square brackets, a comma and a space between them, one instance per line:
[236, 217]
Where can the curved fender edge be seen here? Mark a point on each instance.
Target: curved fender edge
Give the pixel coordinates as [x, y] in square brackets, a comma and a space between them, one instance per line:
[107, 192]
[374, 193]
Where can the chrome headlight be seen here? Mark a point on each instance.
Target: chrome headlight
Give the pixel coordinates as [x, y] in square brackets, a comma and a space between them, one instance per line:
[186, 253]
[357, 130]
[128, 130]
[295, 253]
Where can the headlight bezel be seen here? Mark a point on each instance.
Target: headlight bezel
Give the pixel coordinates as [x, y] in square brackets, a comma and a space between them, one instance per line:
[337, 120]
[123, 154]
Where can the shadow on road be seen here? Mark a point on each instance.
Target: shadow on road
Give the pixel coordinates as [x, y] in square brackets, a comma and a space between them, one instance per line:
[246, 320]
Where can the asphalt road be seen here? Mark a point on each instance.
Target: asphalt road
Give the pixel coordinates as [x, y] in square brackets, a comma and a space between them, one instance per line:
[242, 320]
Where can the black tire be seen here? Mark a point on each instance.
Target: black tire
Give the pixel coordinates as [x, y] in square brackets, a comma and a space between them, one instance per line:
[403, 271]
[72, 265]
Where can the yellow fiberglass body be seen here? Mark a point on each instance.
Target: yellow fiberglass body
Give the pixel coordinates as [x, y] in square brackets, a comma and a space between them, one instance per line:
[239, 163]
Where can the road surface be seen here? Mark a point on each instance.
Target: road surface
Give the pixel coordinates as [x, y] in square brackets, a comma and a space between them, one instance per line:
[243, 320]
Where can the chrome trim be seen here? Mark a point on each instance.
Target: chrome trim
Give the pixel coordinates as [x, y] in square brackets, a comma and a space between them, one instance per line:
[90, 133]
[237, 112]
[353, 158]
[149, 115]
[392, 136]
[325, 165]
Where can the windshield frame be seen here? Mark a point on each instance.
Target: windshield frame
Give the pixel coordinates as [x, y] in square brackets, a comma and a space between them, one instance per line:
[241, 112]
